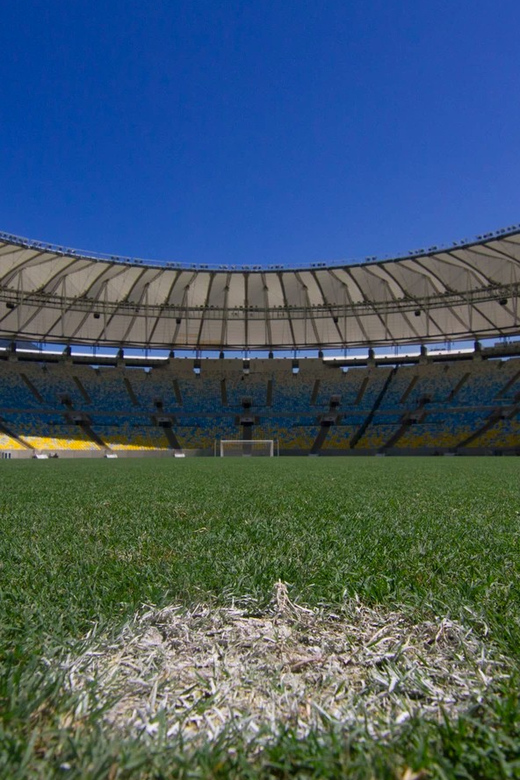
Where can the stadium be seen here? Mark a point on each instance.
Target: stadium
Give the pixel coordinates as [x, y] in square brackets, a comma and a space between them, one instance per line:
[113, 357]
[259, 391]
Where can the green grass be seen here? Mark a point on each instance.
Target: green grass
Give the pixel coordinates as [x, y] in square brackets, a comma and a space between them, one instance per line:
[91, 541]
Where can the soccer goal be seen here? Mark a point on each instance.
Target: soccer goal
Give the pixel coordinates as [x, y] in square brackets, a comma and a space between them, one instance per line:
[247, 448]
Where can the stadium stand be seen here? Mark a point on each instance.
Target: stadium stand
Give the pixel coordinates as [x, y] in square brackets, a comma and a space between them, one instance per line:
[463, 406]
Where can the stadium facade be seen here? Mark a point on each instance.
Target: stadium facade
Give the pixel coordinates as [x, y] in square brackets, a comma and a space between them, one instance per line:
[76, 401]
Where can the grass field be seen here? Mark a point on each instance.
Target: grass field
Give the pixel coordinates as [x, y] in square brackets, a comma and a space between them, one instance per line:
[89, 543]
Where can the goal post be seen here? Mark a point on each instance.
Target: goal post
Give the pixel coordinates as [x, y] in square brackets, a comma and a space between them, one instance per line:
[247, 448]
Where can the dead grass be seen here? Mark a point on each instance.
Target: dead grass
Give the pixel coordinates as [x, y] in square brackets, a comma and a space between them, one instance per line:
[197, 673]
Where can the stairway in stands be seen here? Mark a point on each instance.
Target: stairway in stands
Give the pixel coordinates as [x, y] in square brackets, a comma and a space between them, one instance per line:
[326, 421]
[7, 432]
[377, 403]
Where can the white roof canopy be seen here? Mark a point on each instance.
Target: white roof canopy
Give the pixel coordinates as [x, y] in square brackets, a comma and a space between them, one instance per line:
[55, 295]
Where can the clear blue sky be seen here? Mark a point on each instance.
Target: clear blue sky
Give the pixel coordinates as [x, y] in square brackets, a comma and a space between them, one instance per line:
[259, 132]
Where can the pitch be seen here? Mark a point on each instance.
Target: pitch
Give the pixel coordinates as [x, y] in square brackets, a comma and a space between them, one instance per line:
[410, 566]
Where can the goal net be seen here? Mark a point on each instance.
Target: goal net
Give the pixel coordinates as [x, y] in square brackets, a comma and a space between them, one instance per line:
[247, 448]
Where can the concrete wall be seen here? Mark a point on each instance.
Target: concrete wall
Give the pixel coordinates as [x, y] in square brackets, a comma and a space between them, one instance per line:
[197, 453]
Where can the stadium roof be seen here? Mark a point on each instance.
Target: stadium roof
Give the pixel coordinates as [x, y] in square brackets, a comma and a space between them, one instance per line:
[468, 291]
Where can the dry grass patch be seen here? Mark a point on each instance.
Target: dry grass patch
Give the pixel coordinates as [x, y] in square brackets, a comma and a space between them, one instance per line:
[197, 673]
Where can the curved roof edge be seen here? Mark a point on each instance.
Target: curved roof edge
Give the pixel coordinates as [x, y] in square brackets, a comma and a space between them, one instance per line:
[61, 250]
